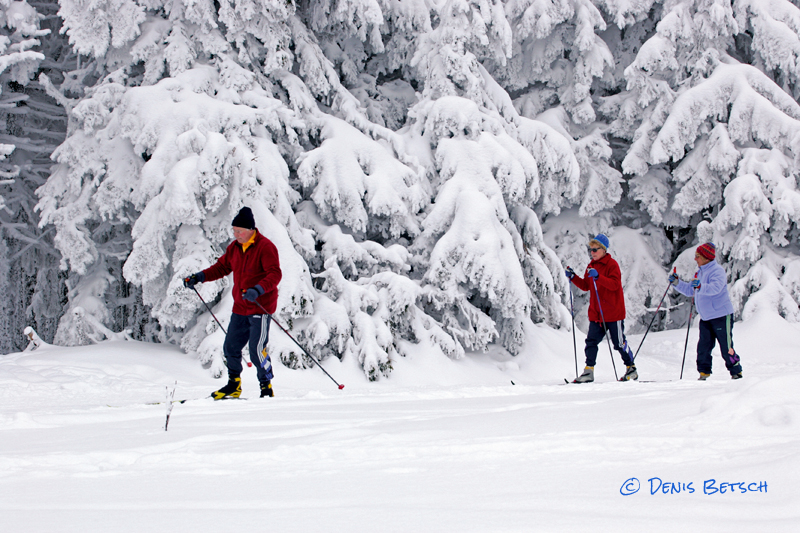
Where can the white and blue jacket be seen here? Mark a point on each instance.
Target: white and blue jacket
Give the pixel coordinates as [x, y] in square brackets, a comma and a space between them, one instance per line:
[711, 298]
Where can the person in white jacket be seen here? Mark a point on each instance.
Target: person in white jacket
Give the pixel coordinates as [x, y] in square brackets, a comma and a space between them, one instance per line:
[710, 291]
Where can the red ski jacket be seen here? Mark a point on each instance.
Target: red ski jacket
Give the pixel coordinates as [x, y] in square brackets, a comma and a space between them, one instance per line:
[258, 265]
[609, 285]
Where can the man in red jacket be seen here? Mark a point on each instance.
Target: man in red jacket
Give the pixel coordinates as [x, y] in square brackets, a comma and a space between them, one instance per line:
[253, 259]
[606, 283]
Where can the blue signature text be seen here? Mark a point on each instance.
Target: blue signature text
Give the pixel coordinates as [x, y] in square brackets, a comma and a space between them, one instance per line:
[710, 487]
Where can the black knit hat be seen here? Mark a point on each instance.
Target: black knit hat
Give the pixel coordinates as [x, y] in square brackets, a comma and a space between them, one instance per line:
[244, 219]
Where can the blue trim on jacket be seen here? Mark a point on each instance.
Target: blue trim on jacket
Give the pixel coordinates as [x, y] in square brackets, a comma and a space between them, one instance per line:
[712, 298]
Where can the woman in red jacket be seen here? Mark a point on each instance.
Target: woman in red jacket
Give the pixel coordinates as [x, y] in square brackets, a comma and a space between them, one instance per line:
[253, 259]
[605, 273]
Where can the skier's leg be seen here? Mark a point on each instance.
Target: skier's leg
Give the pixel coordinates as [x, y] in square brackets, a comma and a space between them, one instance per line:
[617, 332]
[723, 330]
[235, 340]
[259, 354]
[704, 346]
[593, 338]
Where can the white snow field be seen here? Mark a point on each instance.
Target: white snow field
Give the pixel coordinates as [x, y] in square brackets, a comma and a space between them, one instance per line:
[440, 446]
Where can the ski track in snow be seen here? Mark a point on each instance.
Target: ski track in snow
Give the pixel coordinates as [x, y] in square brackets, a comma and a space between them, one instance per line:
[441, 446]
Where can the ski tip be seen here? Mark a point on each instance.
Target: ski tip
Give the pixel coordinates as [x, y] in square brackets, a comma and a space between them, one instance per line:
[566, 381]
[512, 382]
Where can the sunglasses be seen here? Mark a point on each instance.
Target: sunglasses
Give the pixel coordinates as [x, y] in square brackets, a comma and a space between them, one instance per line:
[595, 249]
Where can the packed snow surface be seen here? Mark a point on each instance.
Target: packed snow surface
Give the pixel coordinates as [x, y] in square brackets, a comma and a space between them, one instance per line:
[440, 446]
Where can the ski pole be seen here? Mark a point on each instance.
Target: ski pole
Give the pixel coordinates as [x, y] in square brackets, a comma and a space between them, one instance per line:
[298, 344]
[574, 342]
[689, 325]
[215, 317]
[610, 351]
[209, 310]
[674, 271]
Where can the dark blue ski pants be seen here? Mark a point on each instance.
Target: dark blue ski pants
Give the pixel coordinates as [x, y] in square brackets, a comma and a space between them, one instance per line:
[255, 330]
[616, 331]
[717, 330]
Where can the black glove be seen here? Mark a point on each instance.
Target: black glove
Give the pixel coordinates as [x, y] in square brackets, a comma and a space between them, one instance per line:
[193, 280]
[252, 294]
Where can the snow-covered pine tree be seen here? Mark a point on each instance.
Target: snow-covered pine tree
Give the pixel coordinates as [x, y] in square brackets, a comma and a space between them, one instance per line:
[197, 128]
[354, 182]
[363, 188]
[482, 253]
[362, 205]
[565, 57]
[163, 150]
[704, 102]
[557, 60]
[33, 125]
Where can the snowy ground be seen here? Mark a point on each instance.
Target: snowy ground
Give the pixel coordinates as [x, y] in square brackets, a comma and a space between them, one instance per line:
[441, 446]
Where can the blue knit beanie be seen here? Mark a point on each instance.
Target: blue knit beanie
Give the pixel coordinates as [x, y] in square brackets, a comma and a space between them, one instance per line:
[602, 239]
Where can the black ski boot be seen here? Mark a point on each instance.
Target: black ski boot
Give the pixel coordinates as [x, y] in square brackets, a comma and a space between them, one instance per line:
[630, 374]
[232, 390]
[266, 390]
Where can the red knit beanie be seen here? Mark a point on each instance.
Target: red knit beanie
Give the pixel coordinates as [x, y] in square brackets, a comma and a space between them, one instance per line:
[707, 250]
